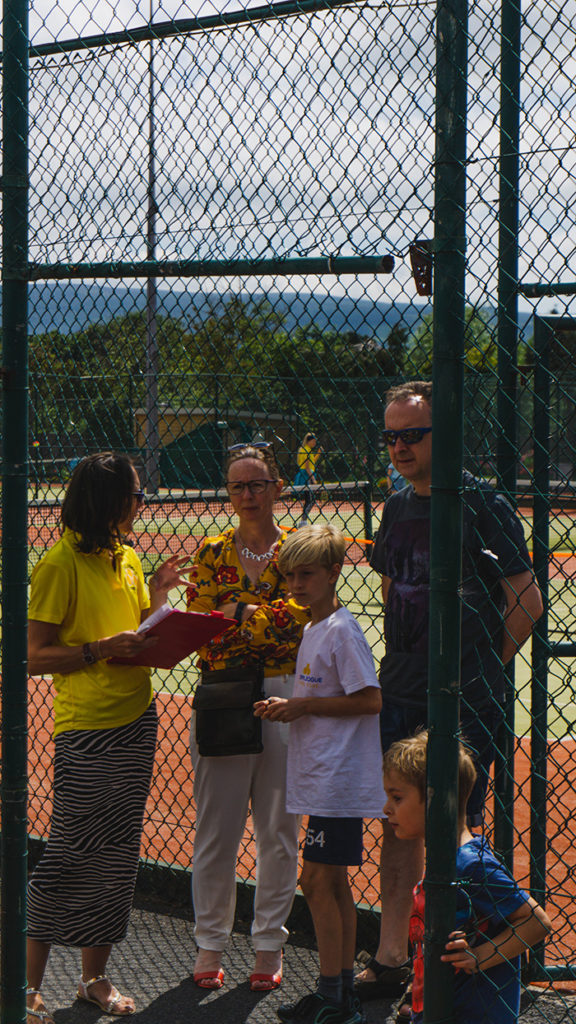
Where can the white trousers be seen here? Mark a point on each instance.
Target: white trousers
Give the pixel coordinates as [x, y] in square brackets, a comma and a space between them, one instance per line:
[224, 789]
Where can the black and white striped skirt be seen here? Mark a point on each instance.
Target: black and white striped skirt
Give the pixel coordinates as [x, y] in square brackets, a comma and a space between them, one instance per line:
[81, 891]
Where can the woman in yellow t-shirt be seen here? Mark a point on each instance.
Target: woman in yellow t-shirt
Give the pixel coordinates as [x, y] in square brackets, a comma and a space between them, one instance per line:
[87, 600]
[307, 459]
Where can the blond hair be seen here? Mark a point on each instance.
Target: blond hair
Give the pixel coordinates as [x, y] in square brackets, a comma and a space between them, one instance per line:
[264, 455]
[408, 759]
[312, 545]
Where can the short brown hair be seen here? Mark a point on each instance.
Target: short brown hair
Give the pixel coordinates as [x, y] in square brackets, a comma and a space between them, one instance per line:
[408, 759]
[321, 544]
[410, 389]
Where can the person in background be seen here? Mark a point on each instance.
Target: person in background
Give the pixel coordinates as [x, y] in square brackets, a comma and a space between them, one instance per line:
[395, 480]
[495, 920]
[87, 599]
[237, 573]
[500, 604]
[334, 763]
[307, 459]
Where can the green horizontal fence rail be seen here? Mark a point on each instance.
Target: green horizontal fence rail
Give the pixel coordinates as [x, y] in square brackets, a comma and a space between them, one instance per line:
[213, 268]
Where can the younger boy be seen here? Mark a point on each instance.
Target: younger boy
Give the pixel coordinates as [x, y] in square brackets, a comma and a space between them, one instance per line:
[495, 919]
[334, 763]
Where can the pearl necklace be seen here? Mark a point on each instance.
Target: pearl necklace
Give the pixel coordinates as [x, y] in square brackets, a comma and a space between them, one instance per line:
[248, 553]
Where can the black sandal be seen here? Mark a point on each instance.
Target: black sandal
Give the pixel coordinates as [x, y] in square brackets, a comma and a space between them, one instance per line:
[404, 1003]
[389, 981]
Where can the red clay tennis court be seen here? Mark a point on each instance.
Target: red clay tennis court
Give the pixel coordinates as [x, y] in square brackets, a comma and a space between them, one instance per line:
[169, 826]
[178, 526]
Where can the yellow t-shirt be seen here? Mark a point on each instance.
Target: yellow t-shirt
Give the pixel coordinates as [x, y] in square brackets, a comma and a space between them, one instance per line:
[90, 598]
[308, 458]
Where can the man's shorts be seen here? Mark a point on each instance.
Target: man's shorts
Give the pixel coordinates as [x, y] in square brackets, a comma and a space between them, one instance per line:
[333, 841]
[477, 732]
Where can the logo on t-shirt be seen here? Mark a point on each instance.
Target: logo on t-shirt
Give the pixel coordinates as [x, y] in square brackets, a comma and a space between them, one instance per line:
[306, 677]
[130, 576]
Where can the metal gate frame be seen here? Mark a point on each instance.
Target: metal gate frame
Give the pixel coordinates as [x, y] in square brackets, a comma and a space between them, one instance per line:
[449, 261]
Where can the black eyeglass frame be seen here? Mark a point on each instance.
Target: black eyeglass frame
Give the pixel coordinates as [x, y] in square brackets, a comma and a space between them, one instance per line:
[241, 485]
[410, 435]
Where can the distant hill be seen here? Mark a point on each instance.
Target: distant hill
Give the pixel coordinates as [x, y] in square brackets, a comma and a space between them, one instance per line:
[67, 307]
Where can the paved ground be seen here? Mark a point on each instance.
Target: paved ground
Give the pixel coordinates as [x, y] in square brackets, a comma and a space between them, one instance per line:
[154, 965]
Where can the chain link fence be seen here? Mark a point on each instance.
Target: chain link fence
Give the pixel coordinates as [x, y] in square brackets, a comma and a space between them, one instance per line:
[230, 237]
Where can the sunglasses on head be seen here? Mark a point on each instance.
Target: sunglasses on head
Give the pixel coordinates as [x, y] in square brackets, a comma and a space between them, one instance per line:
[249, 444]
[412, 435]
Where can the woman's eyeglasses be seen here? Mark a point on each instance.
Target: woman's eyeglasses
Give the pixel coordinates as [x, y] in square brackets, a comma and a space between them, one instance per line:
[254, 486]
[412, 435]
[139, 495]
[249, 444]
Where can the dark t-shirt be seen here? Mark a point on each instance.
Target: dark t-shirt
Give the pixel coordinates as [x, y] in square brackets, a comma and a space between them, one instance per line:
[493, 548]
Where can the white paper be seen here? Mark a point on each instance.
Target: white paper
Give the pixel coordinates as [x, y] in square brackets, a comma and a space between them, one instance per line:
[154, 618]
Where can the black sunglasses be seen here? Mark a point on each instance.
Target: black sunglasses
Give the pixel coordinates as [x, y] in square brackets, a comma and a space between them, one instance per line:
[139, 495]
[412, 435]
[249, 444]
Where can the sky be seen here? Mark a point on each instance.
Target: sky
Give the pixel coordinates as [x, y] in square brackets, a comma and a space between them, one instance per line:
[64, 19]
[294, 138]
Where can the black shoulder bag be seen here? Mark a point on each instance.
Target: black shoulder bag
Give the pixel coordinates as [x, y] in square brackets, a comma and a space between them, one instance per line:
[224, 705]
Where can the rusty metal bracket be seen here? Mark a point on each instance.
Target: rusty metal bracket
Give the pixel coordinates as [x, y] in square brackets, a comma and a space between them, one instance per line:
[421, 262]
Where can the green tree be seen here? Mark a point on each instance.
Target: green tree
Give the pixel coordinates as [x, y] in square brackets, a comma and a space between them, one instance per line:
[480, 345]
[396, 347]
[89, 383]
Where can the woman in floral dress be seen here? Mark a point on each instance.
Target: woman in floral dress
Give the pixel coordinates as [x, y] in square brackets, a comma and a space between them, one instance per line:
[237, 573]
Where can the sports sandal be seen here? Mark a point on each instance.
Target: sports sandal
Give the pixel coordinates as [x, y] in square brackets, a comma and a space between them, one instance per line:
[109, 1006]
[40, 1015]
[388, 981]
[403, 1008]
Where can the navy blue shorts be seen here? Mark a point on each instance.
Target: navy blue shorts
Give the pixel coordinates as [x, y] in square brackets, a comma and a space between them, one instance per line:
[333, 841]
[397, 722]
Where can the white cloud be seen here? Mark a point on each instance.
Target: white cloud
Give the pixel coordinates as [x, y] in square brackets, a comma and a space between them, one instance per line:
[305, 136]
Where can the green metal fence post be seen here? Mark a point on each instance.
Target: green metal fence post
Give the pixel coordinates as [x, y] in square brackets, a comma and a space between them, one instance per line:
[446, 510]
[375, 414]
[543, 336]
[507, 456]
[14, 512]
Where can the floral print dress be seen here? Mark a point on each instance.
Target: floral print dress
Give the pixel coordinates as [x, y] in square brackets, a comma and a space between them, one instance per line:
[272, 633]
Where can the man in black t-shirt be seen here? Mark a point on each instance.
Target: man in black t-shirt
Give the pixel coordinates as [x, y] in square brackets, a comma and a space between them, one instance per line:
[500, 604]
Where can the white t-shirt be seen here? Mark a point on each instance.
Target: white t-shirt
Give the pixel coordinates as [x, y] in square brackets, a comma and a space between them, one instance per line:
[335, 764]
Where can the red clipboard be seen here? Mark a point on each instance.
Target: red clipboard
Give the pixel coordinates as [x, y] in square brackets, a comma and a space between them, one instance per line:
[179, 634]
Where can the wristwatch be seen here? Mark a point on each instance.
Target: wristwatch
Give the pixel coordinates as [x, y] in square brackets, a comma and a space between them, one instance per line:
[238, 611]
[89, 657]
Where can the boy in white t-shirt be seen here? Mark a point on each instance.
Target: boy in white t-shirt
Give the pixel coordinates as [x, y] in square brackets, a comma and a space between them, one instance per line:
[334, 763]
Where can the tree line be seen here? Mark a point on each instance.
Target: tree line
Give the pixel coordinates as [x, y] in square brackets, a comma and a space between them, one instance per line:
[88, 384]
